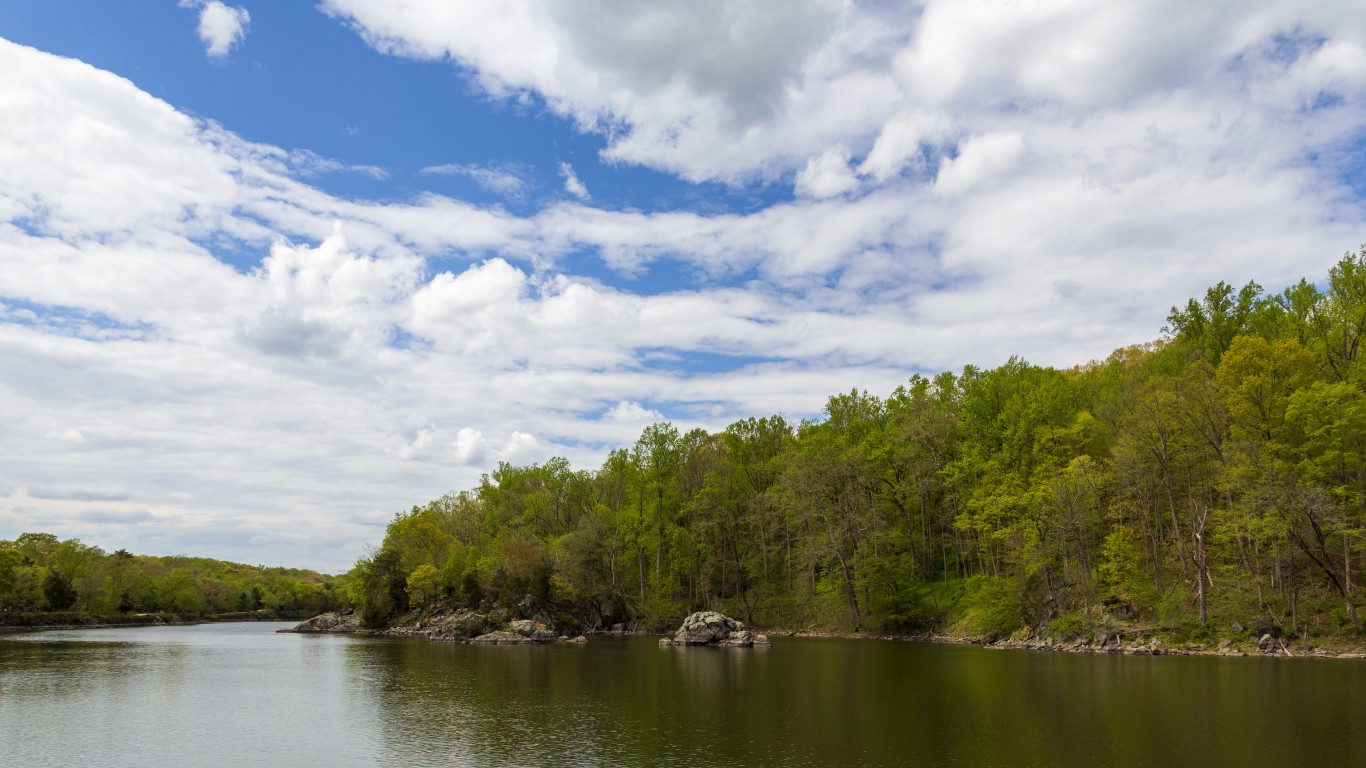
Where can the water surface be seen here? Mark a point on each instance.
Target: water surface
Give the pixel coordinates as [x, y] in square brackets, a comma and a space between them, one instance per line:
[240, 695]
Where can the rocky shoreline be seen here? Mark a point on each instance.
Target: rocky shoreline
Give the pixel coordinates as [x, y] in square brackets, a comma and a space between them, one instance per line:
[709, 628]
[1106, 642]
[460, 626]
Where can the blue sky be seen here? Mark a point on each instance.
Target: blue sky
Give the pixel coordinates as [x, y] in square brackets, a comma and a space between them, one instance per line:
[272, 272]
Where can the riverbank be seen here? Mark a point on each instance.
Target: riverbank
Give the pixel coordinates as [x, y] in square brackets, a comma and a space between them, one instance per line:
[50, 620]
[452, 624]
[1118, 642]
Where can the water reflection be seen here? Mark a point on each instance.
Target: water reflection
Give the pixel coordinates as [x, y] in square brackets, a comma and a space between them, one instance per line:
[239, 695]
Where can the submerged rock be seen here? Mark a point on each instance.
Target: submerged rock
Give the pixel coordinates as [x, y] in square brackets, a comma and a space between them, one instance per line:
[712, 628]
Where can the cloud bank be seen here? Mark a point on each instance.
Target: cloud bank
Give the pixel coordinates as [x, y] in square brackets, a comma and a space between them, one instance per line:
[205, 351]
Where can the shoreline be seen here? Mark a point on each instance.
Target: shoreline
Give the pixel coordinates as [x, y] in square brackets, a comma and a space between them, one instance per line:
[158, 622]
[123, 625]
[1110, 643]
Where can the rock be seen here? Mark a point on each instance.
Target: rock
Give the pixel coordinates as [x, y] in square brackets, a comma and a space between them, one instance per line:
[328, 623]
[1267, 644]
[502, 637]
[1226, 645]
[534, 631]
[459, 627]
[1263, 625]
[1304, 648]
[712, 628]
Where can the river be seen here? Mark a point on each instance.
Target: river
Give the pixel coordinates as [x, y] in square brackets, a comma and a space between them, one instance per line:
[240, 695]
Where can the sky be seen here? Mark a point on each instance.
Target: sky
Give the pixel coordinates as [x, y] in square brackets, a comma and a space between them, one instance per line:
[272, 272]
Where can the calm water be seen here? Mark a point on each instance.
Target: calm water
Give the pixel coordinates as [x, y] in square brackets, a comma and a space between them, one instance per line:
[239, 695]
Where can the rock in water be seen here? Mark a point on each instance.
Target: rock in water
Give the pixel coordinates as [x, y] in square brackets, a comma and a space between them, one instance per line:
[712, 628]
[502, 637]
[534, 631]
[331, 623]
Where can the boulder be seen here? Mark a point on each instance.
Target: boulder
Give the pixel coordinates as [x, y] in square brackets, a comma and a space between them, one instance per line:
[712, 628]
[535, 631]
[459, 626]
[502, 637]
[328, 623]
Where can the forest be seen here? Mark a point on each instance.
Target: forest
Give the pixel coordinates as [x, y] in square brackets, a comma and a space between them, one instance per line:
[1203, 483]
[44, 580]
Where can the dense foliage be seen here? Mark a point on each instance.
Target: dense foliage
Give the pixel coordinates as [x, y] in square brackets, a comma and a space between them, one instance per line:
[1215, 476]
[40, 573]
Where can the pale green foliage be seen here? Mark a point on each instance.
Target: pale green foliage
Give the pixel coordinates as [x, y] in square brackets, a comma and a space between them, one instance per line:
[423, 584]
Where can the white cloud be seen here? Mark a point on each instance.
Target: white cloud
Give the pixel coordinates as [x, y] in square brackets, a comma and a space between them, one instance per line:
[221, 27]
[473, 450]
[470, 449]
[572, 185]
[631, 412]
[828, 175]
[1049, 196]
[678, 77]
[980, 160]
[737, 90]
[505, 180]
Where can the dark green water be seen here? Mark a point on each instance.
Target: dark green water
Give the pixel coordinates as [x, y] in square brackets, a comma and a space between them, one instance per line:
[237, 694]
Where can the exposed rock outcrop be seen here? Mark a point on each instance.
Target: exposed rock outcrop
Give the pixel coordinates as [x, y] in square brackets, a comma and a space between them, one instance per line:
[328, 623]
[712, 628]
[535, 631]
[502, 637]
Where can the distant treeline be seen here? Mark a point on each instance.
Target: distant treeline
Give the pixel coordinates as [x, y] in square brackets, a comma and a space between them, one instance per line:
[1208, 480]
[39, 573]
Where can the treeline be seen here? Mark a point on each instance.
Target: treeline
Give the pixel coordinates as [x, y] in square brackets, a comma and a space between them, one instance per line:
[39, 573]
[1209, 480]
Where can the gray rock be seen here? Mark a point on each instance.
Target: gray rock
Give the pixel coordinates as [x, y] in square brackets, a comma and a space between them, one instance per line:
[534, 631]
[328, 623]
[502, 637]
[706, 627]
[712, 628]
[459, 626]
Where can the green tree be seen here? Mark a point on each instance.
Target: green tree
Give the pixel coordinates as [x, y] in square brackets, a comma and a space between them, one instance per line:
[423, 584]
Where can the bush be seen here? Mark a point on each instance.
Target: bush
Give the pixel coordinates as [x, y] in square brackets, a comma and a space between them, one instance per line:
[990, 606]
[1068, 625]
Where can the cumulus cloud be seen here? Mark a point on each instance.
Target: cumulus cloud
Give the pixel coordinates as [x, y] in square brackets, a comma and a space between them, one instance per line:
[967, 185]
[222, 27]
[737, 90]
[631, 412]
[828, 175]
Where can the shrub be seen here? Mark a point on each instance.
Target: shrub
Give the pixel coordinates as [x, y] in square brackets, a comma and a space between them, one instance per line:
[990, 606]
